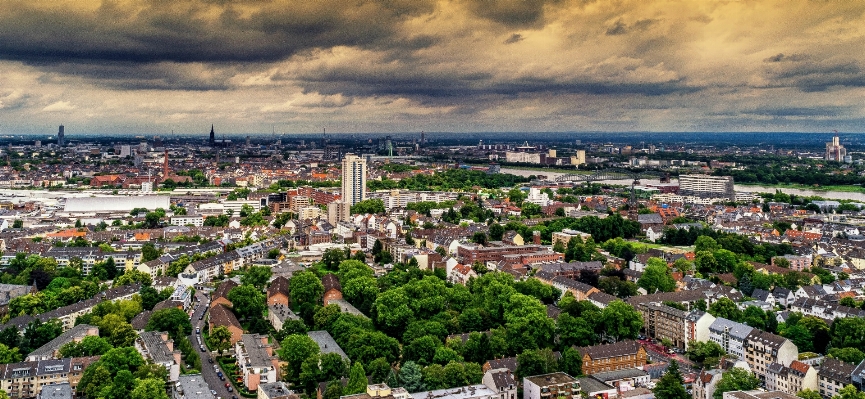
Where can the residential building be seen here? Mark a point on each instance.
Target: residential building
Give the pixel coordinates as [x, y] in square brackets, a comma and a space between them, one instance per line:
[730, 335]
[501, 382]
[158, 349]
[551, 386]
[705, 383]
[275, 390]
[707, 186]
[56, 391]
[764, 348]
[192, 386]
[353, 179]
[326, 343]
[792, 379]
[277, 292]
[621, 355]
[623, 380]
[332, 288]
[51, 350]
[255, 360]
[665, 322]
[758, 394]
[220, 295]
[26, 379]
[221, 316]
[833, 376]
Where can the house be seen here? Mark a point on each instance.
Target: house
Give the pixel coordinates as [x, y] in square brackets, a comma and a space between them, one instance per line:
[705, 383]
[277, 292]
[551, 385]
[460, 274]
[834, 375]
[764, 296]
[56, 391]
[332, 288]
[624, 380]
[783, 296]
[157, 348]
[221, 316]
[621, 355]
[278, 314]
[255, 361]
[501, 382]
[220, 295]
[580, 290]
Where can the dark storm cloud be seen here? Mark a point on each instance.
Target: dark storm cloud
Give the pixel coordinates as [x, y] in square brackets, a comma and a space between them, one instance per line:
[809, 74]
[817, 111]
[515, 38]
[620, 28]
[513, 13]
[195, 31]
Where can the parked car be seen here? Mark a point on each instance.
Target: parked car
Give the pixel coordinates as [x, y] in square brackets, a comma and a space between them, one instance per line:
[230, 389]
[202, 348]
[197, 330]
[221, 378]
[228, 385]
[210, 360]
[201, 317]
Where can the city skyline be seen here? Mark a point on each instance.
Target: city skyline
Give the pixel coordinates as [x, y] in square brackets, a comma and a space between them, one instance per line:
[443, 66]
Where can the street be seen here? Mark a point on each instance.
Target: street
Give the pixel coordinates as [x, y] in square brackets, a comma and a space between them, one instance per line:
[207, 370]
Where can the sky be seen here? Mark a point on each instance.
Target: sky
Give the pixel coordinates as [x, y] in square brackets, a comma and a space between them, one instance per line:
[257, 66]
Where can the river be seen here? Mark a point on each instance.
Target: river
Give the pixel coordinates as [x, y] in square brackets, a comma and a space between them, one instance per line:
[835, 195]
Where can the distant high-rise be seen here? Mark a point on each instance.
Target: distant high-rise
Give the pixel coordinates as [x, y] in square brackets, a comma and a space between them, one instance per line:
[212, 136]
[60, 139]
[353, 179]
[835, 151]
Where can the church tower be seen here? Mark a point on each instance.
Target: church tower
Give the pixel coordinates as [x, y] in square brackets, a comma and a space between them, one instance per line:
[212, 136]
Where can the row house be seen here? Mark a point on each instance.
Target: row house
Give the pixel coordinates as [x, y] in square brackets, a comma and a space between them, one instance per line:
[580, 290]
[67, 314]
[824, 310]
[571, 269]
[764, 348]
[472, 254]
[51, 349]
[26, 379]
[207, 269]
[621, 355]
[532, 258]
[833, 376]
[791, 379]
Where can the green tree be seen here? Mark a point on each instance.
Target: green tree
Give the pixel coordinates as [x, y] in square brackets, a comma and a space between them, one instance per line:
[671, 385]
[361, 292]
[846, 332]
[850, 392]
[149, 388]
[295, 349]
[705, 243]
[391, 310]
[849, 355]
[421, 350]
[657, 277]
[306, 288]
[571, 362]
[620, 321]
[247, 301]
[411, 377]
[704, 353]
[497, 231]
[735, 379]
[809, 394]
[149, 253]
[727, 309]
[256, 276]
[378, 370]
[170, 320]
[133, 276]
[9, 355]
[220, 339]
[574, 331]
[357, 381]
[333, 367]
[373, 206]
[535, 362]
[325, 316]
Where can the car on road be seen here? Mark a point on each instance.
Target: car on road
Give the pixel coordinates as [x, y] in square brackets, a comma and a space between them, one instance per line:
[202, 348]
[227, 384]
[221, 378]
[213, 392]
[197, 330]
[201, 317]
[210, 360]
[230, 389]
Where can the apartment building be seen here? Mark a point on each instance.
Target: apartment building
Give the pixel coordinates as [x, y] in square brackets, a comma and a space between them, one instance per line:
[833, 376]
[551, 386]
[255, 360]
[51, 350]
[157, 348]
[792, 379]
[192, 386]
[277, 292]
[705, 383]
[26, 379]
[764, 348]
[730, 335]
[618, 356]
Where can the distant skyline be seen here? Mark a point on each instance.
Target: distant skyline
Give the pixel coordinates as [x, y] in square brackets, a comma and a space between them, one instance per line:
[151, 66]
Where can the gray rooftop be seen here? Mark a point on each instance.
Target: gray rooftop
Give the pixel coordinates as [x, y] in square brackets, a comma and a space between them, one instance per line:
[275, 389]
[156, 347]
[737, 330]
[467, 392]
[326, 344]
[56, 391]
[47, 350]
[282, 312]
[590, 385]
[256, 352]
[550, 379]
[619, 375]
[193, 386]
[346, 307]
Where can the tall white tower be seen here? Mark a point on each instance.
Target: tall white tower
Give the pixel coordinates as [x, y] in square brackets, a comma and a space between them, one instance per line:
[353, 179]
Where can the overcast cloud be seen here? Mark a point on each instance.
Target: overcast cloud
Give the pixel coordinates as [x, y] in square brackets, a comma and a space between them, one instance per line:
[247, 66]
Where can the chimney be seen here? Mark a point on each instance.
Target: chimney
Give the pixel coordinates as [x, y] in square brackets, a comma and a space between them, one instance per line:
[536, 237]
